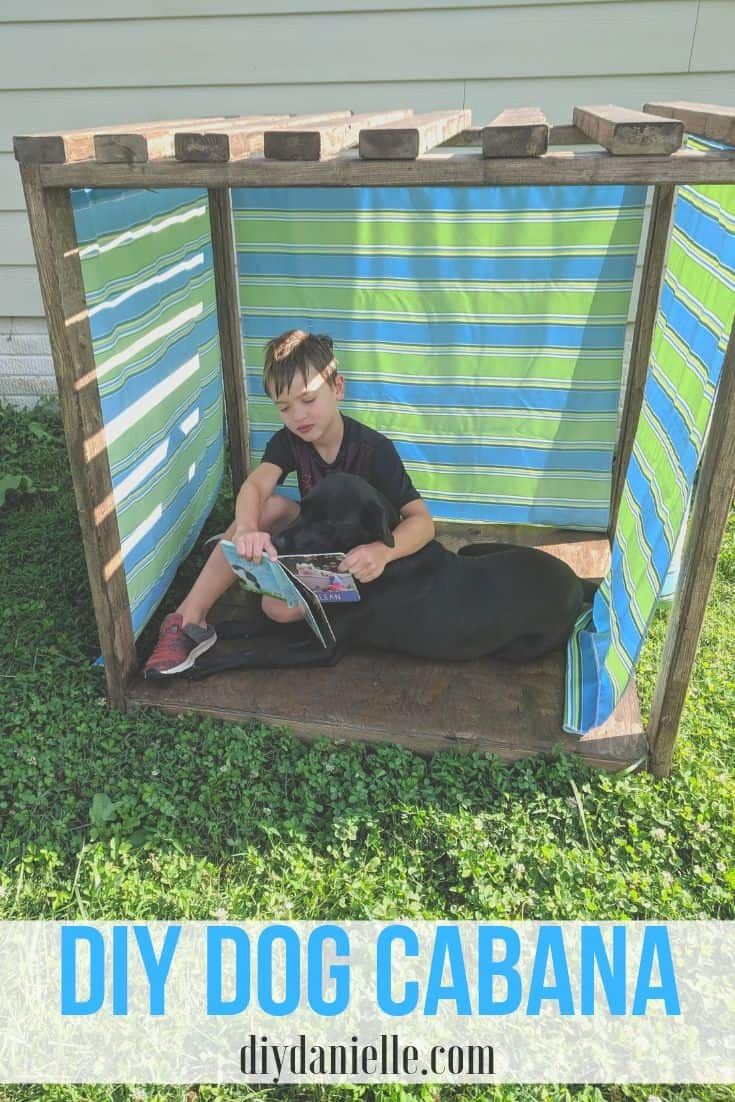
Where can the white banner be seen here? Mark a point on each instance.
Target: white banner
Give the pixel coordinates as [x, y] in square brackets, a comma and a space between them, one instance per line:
[266, 1002]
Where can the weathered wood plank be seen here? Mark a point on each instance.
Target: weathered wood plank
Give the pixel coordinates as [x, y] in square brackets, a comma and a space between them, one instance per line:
[707, 522]
[410, 142]
[37, 149]
[588, 553]
[230, 335]
[140, 145]
[485, 706]
[79, 145]
[293, 143]
[518, 132]
[653, 267]
[624, 132]
[447, 167]
[706, 119]
[565, 134]
[220, 144]
[57, 255]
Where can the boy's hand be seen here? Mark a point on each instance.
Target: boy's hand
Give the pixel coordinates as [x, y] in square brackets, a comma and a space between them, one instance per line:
[253, 545]
[366, 562]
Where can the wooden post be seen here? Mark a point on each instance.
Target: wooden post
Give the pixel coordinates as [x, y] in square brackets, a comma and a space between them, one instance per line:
[640, 353]
[60, 273]
[712, 501]
[230, 332]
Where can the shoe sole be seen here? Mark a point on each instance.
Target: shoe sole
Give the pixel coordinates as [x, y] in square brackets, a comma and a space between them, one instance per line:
[154, 675]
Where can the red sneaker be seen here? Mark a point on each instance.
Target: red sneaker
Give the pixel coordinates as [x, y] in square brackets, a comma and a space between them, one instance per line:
[178, 647]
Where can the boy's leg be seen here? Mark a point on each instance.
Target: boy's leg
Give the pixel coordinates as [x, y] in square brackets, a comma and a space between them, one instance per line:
[217, 576]
[273, 608]
[185, 634]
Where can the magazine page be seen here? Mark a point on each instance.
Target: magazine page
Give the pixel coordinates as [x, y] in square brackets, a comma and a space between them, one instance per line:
[270, 579]
[265, 577]
[320, 574]
[314, 612]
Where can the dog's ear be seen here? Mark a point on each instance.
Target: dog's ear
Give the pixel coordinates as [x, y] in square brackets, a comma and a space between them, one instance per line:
[374, 519]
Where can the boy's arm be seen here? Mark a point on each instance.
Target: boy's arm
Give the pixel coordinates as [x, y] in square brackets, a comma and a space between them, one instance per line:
[367, 562]
[254, 492]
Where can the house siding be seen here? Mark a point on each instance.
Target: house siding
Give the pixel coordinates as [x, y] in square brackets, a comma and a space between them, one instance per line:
[188, 58]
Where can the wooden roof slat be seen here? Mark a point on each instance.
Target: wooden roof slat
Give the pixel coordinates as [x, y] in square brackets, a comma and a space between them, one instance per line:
[70, 146]
[517, 132]
[156, 143]
[233, 142]
[709, 120]
[293, 143]
[624, 132]
[409, 142]
[558, 135]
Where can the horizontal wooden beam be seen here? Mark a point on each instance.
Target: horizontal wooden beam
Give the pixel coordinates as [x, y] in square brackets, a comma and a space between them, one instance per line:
[315, 143]
[240, 139]
[410, 142]
[706, 119]
[624, 132]
[520, 132]
[461, 169]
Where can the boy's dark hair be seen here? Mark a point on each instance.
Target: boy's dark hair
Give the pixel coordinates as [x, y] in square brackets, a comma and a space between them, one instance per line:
[296, 350]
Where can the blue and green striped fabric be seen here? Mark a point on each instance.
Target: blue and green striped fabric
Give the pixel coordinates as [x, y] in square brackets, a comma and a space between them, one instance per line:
[481, 329]
[692, 330]
[147, 268]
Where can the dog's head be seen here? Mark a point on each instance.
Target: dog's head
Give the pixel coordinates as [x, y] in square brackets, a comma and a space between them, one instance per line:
[341, 512]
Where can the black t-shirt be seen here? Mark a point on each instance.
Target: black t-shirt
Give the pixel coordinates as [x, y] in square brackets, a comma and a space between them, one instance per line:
[363, 451]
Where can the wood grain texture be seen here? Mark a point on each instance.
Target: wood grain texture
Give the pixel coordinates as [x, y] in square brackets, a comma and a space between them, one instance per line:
[219, 144]
[154, 142]
[588, 553]
[624, 132]
[407, 142]
[565, 134]
[640, 355]
[519, 132]
[445, 167]
[230, 334]
[57, 255]
[80, 144]
[706, 119]
[294, 143]
[487, 706]
[707, 522]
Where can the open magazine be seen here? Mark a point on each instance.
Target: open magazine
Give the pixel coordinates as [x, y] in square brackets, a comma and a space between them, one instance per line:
[306, 581]
[320, 574]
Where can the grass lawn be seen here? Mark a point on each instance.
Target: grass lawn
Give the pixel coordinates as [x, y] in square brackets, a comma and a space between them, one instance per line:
[106, 816]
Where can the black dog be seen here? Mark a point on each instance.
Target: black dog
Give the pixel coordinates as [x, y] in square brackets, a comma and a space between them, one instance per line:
[501, 599]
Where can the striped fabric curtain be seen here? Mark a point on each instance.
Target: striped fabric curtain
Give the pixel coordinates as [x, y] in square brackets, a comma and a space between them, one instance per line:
[692, 330]
[481, 329]
[147, 268]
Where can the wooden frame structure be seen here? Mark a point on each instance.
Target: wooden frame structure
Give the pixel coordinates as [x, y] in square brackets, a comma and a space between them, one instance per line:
[389, 148]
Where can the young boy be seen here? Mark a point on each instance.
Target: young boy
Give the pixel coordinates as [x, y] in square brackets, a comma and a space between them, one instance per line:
[300, 375]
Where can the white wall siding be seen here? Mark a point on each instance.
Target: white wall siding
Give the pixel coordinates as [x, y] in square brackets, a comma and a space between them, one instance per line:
[81, 64]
